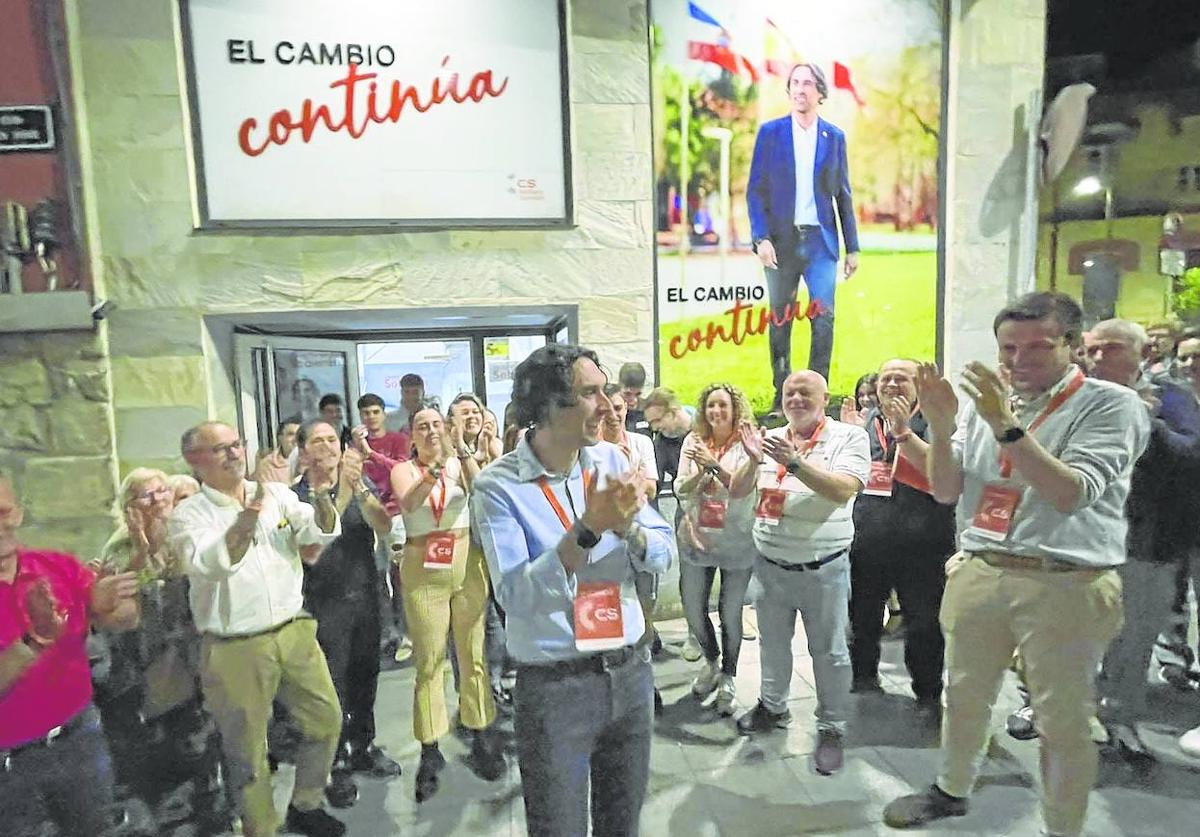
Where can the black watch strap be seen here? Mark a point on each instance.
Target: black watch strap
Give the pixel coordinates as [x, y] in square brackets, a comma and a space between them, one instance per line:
[1011, 435]
[584, 536]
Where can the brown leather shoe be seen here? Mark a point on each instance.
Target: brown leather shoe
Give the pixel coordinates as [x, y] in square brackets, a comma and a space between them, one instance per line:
[828, 758]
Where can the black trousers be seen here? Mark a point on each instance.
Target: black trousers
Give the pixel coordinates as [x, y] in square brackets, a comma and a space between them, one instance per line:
[349, 633]
[918, 576]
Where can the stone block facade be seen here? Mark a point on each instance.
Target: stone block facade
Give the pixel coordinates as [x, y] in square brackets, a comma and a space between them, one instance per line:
[56, 437]
[78, 410]
[165, 277]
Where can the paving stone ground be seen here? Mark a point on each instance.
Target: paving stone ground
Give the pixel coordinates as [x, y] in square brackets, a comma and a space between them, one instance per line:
[706, 780]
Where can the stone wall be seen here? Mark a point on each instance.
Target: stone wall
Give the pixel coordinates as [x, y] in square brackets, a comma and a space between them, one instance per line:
[56, 437]
[154, 367]
[164, 277]
[997, 62]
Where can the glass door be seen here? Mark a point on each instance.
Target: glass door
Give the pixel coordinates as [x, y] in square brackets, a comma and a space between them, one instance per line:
[501, 356]
[444, 367]
[284, 378]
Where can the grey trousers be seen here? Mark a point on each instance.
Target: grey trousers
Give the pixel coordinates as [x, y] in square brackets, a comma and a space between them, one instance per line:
[821, 597]
[1148, 590]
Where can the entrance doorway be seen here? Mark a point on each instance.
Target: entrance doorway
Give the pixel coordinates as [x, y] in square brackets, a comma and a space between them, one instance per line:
[283, 369]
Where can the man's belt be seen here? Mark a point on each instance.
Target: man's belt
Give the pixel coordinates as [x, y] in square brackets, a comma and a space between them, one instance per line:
[264, 632]
[811, 565]
[597, 663]
[1007, 561]
[47, 740]
[807, 227]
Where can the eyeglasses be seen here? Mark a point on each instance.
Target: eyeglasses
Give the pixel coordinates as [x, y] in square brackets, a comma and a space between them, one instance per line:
[148, 496]
[225, 449]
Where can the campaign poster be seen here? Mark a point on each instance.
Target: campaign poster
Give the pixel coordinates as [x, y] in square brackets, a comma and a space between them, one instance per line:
[848, 275]
[303, 377]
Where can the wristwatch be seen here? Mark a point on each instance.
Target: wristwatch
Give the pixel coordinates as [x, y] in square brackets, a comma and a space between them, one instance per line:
[584, 536]
[1011, 435]
[714, 469]
[33, 643]
[793, 467]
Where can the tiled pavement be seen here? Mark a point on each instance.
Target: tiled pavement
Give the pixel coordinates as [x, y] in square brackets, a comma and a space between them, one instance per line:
[707, 780]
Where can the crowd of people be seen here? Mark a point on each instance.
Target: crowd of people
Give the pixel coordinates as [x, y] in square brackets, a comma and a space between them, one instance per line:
[1041, 524]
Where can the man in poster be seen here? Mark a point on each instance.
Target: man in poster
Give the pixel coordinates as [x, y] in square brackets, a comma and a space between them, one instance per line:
[798, 172]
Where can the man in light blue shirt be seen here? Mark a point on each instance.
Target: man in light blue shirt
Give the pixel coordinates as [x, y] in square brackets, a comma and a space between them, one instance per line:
[565, 528]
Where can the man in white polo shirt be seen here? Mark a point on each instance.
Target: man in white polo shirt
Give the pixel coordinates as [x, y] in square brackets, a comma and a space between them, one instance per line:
[811, 472]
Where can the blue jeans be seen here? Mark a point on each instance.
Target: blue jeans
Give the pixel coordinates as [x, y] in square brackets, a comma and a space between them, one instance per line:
[70, 781]
[807, 257]
[696, 585]
[580, 729]
[822, 597]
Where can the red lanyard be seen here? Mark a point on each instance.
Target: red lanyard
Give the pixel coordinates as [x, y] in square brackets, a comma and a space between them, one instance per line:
[806, 447]
[719, 453]
[1057, 401]
[557, 506]
[710, 486]
[439, 508]
[879, 434]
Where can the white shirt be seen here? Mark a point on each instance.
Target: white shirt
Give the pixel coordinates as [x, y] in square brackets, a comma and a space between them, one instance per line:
[804, 148]
[812, 526]
[398, 419]
[262, 590]
[1099, 433]
[641, 455]
[731, 548]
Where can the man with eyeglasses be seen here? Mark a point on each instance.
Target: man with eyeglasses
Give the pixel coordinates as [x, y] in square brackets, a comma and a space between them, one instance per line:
[243, 545]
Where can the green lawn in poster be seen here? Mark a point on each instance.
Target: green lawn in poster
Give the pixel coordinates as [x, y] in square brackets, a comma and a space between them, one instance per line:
[886, 310]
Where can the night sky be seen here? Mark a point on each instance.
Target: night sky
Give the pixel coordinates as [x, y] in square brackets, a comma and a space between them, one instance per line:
[1129, 32]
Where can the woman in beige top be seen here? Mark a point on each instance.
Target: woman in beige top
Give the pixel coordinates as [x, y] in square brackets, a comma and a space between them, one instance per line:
[445, 589]
[714, 532]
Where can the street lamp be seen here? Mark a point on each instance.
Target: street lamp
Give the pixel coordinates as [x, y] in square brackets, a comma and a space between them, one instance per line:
[1089, 185]
[724, 136]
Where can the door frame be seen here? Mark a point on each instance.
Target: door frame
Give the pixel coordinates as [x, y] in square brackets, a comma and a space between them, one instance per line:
[258, 410]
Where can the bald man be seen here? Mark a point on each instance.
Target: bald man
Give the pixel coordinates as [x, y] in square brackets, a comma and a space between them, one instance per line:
[811, 471]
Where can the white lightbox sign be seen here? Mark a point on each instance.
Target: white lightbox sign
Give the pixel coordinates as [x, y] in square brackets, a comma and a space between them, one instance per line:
[406, 113]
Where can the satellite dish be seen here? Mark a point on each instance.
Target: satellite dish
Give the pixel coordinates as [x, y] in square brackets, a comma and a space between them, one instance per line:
[1062, 128]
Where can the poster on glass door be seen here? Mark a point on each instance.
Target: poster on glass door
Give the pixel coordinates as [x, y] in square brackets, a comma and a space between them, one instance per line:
[849, 96]
[303, 377]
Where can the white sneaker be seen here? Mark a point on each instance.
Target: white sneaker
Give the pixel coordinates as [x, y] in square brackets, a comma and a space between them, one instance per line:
[691, 650]
[1098, 731]
[404, 650]
[726, 696]
[707, 680]
[1189, 742]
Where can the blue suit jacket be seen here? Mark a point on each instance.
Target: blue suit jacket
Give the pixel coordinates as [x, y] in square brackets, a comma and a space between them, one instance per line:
[1165, 489]
[771, 192]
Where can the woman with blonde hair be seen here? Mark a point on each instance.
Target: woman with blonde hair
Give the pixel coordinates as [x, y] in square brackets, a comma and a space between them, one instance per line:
[161, 736]
[715, 475]
[445, 588]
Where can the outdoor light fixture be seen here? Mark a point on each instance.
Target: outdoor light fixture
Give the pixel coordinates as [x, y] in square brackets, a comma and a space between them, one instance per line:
[1089, 185]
